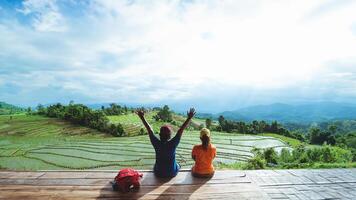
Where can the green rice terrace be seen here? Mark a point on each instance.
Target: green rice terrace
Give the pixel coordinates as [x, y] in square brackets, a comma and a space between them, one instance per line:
[32, 142]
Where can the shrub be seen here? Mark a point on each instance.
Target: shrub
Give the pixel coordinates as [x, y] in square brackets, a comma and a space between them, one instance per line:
[142, 131]
[285, 156]
[303, 158]
[257, 151]
[314, 154]
[326, 154]
[256, 163]
[298, 152]
[112, 130]
[120, 130]
[341, 155]
[353, 152]
[270, 155]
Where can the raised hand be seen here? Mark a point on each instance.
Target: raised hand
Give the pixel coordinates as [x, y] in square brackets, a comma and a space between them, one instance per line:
[191, 113]
[140, 113]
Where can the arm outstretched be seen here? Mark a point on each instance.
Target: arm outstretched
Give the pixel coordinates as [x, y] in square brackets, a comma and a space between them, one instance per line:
[141, 115]
[190, 115]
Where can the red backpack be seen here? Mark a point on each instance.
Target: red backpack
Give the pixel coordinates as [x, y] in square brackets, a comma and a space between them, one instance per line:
[127, 179]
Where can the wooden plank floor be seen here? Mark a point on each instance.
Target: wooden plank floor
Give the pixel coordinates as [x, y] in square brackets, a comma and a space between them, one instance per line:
[229, 184]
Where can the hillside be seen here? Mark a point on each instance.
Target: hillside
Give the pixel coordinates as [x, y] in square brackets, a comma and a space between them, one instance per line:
[303, 113]
[132, 124]
[6, 109]
[37, 143]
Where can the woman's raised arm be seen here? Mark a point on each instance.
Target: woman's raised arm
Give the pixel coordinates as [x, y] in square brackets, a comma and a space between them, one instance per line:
[141, 115]
[190, 115]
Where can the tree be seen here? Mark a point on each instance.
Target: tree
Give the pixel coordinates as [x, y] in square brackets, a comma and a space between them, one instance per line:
[319, 137]
[29, 110]
[332, 129]
[41, 110]
[221, 120]
[113, 109]
[270, 155]
[274, 127]
[113, 130]
[120, 130]
[314, 136]
[208, 122]
[262, 125]
[81, 114]
[142, 131]
[164, 114]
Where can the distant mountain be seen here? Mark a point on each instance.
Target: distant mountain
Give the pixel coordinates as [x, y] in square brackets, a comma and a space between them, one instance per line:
[6, 109]
[302, 113]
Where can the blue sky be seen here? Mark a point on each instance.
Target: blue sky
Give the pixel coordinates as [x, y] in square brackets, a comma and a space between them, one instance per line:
[215, 55]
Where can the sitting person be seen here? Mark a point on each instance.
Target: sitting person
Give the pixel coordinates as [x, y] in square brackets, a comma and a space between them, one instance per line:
[166, 165]
[203, 155]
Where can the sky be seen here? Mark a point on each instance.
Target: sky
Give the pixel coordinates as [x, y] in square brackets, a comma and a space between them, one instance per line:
[214, 55]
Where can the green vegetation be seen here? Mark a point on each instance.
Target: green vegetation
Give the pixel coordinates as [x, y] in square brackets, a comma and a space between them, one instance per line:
[75, 137]
[8, 109]
[33, 142]
[133, 126]
[300, 157]
[115, 109]
[115, 120]
[82, 115]
[256, 127]
[315, 136]
[164, 114]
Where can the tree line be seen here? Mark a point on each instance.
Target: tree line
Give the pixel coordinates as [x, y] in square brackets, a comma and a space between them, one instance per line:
[115, 109]
[315, 135]
[85, 116]
[300, 157]
[255, 127]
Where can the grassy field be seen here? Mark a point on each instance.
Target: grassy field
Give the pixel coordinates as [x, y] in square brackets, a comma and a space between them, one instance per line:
[38, 143]
[290, 141]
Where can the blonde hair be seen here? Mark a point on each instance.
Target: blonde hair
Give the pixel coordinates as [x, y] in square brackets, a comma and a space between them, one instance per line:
[205, 138]
[204, 131]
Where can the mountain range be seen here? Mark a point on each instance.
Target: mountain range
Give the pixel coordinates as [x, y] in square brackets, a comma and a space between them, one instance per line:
[292, 113]
[301, 113]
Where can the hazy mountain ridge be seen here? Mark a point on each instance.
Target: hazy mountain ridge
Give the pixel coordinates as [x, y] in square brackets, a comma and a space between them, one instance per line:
[282, 112]
[310, 112]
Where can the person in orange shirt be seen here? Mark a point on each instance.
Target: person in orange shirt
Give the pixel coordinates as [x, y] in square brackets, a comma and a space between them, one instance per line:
[203, 155]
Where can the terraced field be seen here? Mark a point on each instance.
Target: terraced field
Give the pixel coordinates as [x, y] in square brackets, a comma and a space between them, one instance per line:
[38, 143]
[132, 124]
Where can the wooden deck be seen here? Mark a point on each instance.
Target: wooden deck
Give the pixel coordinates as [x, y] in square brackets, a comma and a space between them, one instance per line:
[230, 184]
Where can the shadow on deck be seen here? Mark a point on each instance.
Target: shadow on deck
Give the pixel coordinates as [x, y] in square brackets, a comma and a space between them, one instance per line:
[229, 184]
[96, 185]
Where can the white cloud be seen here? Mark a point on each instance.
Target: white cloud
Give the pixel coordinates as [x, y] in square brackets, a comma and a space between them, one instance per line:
[169, 50]
[46, 15]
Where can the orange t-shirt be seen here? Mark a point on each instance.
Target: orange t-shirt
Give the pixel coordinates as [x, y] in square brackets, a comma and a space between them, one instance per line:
[203, 159]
